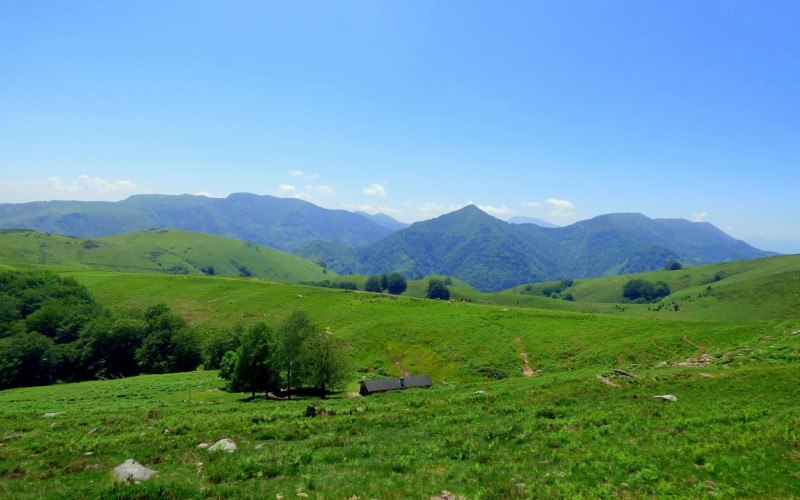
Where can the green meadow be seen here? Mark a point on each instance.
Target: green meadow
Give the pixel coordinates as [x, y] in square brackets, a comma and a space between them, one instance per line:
[729, 353]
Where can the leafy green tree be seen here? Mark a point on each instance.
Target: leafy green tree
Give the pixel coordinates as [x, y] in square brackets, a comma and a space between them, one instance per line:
[396, 284]
[169, 344]
[673, 265]
[227, 365]
[219, 342]
[438, 290]
[255, 370]
[291, 336]
[373, 284]
[384, 282]
[27, 359]
[639, 290]
[327, 361]
[110, 346]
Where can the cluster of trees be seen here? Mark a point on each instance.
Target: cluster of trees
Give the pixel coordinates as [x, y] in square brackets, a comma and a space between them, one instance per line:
[437, 289]
[297, 353]
[52, 329]
[394, 283]
[643, 291]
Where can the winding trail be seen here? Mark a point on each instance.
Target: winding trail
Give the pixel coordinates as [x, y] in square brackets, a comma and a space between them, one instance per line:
[699, 346]
[527, 371]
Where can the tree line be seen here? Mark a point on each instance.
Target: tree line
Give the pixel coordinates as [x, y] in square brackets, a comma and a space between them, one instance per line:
[53, 330]
[296, 354]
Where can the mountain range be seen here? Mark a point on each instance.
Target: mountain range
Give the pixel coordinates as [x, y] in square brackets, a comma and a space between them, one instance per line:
[469, 244]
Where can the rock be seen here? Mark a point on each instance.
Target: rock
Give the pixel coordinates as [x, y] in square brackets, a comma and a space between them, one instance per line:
[666, 397]
[93, 430]
[132, 470]
[223, 445]
[706, 375]
[623, 373]
[203, 446]
[259, 446]
[311, 411]
[51, 415]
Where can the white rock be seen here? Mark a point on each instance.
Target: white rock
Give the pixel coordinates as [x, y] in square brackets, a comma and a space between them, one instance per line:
[203, 445]
[51, 415]
[666, 397]
[132, 470]
[223, 445]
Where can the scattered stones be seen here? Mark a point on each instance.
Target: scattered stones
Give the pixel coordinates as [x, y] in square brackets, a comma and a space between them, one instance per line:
[666, 397]
[203, 446]
[52, 415]
[223, 445]
[132, 470]
[606, 381]
[446, 495]
[623, 373]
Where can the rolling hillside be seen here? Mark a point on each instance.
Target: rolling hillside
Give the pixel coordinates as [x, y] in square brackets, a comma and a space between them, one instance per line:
[282, 223]
[164, 251]
[492, 255]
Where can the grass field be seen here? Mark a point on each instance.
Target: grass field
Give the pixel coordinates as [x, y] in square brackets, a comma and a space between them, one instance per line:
[730, 355]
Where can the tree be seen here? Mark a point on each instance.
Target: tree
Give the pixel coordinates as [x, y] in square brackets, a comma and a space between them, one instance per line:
[218, 343]
[227, 365]
[327, 361]
[373, 284]
[254, 370]
[644, 291]
[384, 282]
[169, 344]
[292, 334]
[673, 265]
[27, 359]
[396, 284]
[438, 290]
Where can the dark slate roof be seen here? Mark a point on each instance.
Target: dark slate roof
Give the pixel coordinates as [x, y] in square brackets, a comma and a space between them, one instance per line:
[391, 384]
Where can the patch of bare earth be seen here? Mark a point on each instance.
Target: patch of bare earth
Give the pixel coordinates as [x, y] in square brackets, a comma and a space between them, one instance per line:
[527, 371]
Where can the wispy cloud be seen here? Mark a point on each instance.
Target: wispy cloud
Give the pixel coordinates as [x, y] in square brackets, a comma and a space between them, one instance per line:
[300, 173]
[287, 190]
[84, 188]
[561, 208]
[500, 212]
[699, 216]
[375, 189]
[320, 188]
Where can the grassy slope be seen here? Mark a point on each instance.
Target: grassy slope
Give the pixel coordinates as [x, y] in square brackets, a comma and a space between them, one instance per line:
[167, 251]
[734, 431]
[558, 435]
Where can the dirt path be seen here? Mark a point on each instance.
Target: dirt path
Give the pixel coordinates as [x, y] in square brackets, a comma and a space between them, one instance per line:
[527, 371]
[701, 347]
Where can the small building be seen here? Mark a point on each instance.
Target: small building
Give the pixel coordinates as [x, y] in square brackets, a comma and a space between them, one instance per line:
[391, 384]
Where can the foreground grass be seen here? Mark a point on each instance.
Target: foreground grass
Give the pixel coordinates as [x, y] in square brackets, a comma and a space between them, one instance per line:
[734, 431]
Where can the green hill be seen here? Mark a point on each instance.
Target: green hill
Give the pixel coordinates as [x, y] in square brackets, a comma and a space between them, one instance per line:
[493, 255]
[745, 290]
[168, 251]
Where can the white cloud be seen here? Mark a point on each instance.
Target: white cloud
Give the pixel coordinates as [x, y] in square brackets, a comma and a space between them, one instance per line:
[321, 188]
[206, 194]
[375, 189]
[84, 188]
[300, 173]
[503, 211]
[287, 189]
[699, 216]
[561, 208]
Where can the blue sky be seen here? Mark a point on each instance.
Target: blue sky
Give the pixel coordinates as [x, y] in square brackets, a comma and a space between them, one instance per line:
[561, 110]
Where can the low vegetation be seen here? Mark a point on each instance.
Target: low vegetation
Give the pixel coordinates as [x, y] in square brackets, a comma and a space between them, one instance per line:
[532, 397]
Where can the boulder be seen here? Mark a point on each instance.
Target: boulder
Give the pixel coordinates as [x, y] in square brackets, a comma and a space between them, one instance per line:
[223, 445]
[666, 397]
[132, 470]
